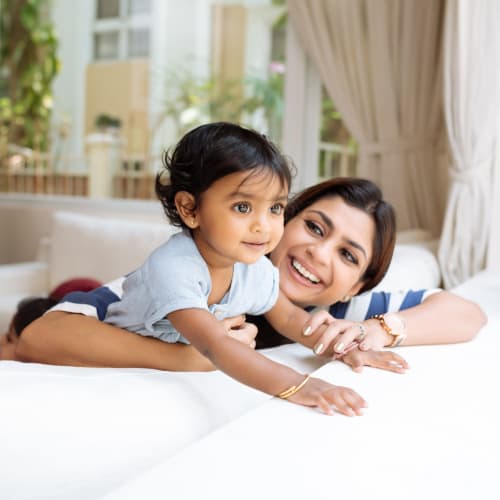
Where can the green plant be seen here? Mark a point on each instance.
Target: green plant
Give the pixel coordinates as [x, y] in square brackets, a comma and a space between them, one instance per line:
[103, 121]
[190, 100]
[28, 65]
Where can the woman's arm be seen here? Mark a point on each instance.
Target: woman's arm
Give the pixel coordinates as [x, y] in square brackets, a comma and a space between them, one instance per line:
[442, 318]
[61, 338]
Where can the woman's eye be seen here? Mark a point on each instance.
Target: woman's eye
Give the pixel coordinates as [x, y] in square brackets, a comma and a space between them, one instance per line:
[349, 256]
[277, 209]
[242, 208]
[314, 228]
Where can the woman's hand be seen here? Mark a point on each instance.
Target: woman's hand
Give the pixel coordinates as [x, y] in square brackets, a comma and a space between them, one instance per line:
[330, 332]
[239, 329]
[321, 394]
[384, 360]
[340, 334]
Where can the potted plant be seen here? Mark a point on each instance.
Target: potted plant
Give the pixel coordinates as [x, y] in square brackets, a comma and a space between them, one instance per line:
[107, 123]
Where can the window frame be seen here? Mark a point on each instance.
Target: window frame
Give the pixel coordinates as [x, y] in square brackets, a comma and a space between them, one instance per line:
[123, 25]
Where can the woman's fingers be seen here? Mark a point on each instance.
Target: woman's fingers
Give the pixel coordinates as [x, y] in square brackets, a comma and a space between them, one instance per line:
[354, 333]
[315, 321]
[390, 361]
[384, 360]
[337, 339]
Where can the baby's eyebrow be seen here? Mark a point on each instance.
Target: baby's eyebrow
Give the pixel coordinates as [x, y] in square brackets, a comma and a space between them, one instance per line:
[252, 196]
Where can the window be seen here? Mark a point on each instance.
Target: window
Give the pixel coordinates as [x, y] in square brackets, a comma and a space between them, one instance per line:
[108, 9]
[121, 29]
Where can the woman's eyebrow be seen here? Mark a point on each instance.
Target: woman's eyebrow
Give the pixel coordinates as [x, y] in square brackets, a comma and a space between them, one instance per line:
[328, 222]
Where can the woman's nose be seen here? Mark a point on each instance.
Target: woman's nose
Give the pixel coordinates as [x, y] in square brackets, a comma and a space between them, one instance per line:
[320, 252]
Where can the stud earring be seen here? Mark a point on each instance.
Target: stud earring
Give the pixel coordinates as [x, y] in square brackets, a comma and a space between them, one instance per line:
[346, 298]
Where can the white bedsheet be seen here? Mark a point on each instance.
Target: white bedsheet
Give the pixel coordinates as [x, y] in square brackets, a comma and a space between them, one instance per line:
[84, 433]
[430, 434]
[71, 433]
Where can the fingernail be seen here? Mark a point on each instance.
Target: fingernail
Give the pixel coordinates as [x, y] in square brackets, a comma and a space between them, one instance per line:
[339, 347]
[318, 349]
[307, 331]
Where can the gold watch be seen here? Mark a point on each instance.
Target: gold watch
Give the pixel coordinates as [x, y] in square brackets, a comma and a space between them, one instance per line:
[394, 325]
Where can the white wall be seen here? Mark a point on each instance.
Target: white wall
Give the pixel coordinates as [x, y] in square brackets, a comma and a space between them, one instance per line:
[73, 23]
[302, 112]
[180, 39]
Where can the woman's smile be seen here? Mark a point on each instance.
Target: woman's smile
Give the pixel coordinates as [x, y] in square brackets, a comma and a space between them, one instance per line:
[324, 252]
[304, 272]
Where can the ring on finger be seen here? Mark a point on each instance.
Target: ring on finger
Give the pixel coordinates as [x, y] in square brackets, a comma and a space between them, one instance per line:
[362, 331]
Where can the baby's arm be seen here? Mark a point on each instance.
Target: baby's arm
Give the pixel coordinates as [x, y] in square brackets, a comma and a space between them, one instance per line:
[289, 320]
[251, 368]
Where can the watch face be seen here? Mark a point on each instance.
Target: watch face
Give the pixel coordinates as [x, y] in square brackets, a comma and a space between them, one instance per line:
[395, 322]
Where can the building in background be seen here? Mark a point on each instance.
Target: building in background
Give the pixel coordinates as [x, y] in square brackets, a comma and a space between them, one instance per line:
[160, 66]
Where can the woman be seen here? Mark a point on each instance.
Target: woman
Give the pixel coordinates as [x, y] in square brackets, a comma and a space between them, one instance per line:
[338, 242]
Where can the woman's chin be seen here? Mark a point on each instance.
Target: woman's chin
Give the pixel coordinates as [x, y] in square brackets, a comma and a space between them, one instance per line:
[298, 293]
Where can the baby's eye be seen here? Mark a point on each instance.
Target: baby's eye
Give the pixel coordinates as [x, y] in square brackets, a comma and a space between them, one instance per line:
[314, 228]
[242, 208]
[277, 208]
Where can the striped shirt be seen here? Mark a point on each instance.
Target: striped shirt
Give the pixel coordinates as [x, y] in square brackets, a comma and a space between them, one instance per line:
[95, 303]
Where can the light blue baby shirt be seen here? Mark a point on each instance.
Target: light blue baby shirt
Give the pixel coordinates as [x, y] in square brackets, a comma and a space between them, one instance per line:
[175, 277]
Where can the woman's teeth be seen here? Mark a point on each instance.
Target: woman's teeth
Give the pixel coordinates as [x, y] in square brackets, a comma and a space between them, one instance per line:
[304, 272]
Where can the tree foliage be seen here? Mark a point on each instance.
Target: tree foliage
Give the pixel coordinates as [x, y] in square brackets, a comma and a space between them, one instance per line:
[28, 65]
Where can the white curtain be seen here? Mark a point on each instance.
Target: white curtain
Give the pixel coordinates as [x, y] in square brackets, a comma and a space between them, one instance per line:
[380, 63]
[471, 104]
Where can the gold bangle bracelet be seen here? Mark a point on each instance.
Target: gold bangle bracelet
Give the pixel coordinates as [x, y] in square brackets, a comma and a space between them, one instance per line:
[292, 390]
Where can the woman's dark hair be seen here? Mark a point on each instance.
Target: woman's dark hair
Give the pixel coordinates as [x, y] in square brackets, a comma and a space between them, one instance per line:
[210, 152]
[30, 309]
[366, 196]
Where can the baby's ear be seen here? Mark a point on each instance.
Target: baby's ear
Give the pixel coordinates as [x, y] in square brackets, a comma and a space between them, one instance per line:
[186, 207]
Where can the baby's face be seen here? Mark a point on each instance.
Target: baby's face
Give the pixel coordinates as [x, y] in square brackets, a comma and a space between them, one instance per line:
[8, 342]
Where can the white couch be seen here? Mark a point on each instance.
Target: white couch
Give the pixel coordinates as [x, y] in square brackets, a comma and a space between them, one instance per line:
[103, 248]
[80, 433]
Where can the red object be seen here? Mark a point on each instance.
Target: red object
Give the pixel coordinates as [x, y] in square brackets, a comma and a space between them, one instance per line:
[74, 285]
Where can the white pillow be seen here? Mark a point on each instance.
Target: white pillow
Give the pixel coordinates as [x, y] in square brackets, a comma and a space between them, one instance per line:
[413, 267]
[100, 248]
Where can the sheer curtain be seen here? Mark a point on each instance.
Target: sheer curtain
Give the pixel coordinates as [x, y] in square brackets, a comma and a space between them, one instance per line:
[380, 63]
[471, 102]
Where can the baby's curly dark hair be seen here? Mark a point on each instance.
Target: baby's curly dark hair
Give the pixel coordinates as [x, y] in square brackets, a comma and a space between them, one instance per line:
[210, 152]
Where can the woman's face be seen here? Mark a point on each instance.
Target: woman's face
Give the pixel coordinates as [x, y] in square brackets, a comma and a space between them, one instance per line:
[324, 251]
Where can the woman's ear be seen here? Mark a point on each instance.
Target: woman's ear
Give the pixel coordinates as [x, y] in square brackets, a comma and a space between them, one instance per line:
[186, 207]
[356, 288]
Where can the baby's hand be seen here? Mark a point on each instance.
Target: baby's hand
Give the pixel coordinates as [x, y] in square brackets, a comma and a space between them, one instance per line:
[239, 329]
[321, 394]
[385, 360]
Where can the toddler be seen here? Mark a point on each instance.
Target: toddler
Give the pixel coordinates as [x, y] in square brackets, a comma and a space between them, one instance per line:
[227, 189]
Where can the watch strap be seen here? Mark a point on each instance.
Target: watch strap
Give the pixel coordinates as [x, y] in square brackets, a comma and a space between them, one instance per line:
[397, 338]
